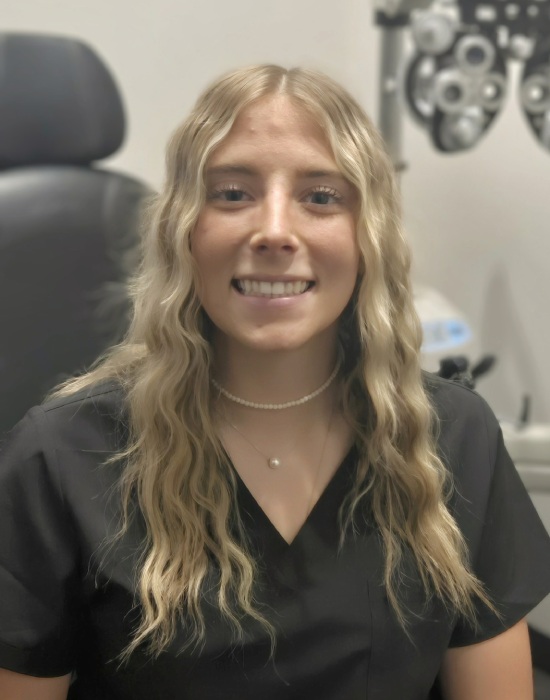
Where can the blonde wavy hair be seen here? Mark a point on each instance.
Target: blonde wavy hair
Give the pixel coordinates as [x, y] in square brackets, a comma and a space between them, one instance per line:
[174, 465]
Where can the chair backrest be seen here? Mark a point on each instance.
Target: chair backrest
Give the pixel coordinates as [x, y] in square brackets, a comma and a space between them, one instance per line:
[67, 228]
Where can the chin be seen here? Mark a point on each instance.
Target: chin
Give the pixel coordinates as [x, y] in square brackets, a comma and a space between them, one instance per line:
[289, 342]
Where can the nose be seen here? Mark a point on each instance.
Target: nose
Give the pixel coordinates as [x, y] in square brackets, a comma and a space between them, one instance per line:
[275, 232]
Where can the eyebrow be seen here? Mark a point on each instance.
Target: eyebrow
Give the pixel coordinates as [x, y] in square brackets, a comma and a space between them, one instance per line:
[245, 170]
[230, 170]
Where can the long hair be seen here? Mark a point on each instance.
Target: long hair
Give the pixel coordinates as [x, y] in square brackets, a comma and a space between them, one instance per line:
[174, 465]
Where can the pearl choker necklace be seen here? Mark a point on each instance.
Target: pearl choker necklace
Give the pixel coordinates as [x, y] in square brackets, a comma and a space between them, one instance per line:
[278, 406]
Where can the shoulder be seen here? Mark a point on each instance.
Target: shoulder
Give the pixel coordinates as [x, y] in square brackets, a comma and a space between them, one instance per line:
[104, 399]
[64, 432]
[469, 442]
[56, 502]
[93, 418]
[452, 400]
[465, 422]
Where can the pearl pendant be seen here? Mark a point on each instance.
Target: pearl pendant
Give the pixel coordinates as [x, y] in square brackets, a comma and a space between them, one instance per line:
[273, 463]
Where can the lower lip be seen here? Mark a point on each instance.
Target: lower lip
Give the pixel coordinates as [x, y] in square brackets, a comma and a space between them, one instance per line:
[273, 302]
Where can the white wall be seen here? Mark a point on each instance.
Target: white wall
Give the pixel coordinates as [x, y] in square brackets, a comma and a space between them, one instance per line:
[163, 52]
[478, 222]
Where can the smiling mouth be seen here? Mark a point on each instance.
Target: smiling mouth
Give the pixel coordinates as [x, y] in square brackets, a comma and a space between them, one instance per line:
[260, 288]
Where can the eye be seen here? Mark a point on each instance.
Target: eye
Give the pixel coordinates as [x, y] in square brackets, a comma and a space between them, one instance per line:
[324, 196]
[228, 193]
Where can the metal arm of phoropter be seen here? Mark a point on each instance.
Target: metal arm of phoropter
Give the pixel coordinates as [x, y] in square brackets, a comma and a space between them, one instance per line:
[456, 83]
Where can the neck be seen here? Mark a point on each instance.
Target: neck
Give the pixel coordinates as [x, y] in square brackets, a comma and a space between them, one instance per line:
[273, 377]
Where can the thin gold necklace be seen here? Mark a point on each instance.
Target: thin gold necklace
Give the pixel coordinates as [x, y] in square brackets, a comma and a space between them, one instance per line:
[275, 462]
[321, 458]
[272, 462]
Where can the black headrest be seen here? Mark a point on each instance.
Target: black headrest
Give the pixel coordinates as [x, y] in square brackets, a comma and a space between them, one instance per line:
[58, 102]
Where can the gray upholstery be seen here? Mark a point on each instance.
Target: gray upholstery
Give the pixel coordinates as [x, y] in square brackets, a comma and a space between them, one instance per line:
[67, 229]
[58, 102]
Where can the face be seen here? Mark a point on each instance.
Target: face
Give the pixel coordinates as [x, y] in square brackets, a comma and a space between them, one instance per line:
[275, 244]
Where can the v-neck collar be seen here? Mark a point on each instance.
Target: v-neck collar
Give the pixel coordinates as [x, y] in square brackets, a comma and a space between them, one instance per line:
[322, 517]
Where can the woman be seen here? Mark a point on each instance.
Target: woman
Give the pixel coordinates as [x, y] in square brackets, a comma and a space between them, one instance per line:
[259, 494]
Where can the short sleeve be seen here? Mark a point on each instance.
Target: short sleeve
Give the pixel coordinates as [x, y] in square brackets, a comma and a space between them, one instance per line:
[512, 557]
[38, 592]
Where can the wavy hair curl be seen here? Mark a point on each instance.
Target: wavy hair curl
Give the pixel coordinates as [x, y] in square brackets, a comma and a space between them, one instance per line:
[174, 465]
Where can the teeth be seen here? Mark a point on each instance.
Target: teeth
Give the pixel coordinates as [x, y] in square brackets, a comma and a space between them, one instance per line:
[271, 289]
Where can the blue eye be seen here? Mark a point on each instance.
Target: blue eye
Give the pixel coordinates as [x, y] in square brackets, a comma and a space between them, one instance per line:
[228, 194]
[324, 196]
[320, 198]
[233, 195]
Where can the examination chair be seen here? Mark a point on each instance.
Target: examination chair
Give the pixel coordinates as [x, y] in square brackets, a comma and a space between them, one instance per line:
[68, 230]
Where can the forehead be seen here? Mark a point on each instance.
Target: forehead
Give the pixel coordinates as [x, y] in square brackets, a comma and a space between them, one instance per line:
[275, 126]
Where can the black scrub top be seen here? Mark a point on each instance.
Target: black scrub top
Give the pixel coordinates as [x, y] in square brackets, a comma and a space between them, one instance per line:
[67, 601]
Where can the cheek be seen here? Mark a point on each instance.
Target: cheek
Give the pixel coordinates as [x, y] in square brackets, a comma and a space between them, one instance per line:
[344, 255]
[349, 261]
[198, 236]
[356, 259]
[214, 238]
[202, 258]
[205, 246]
